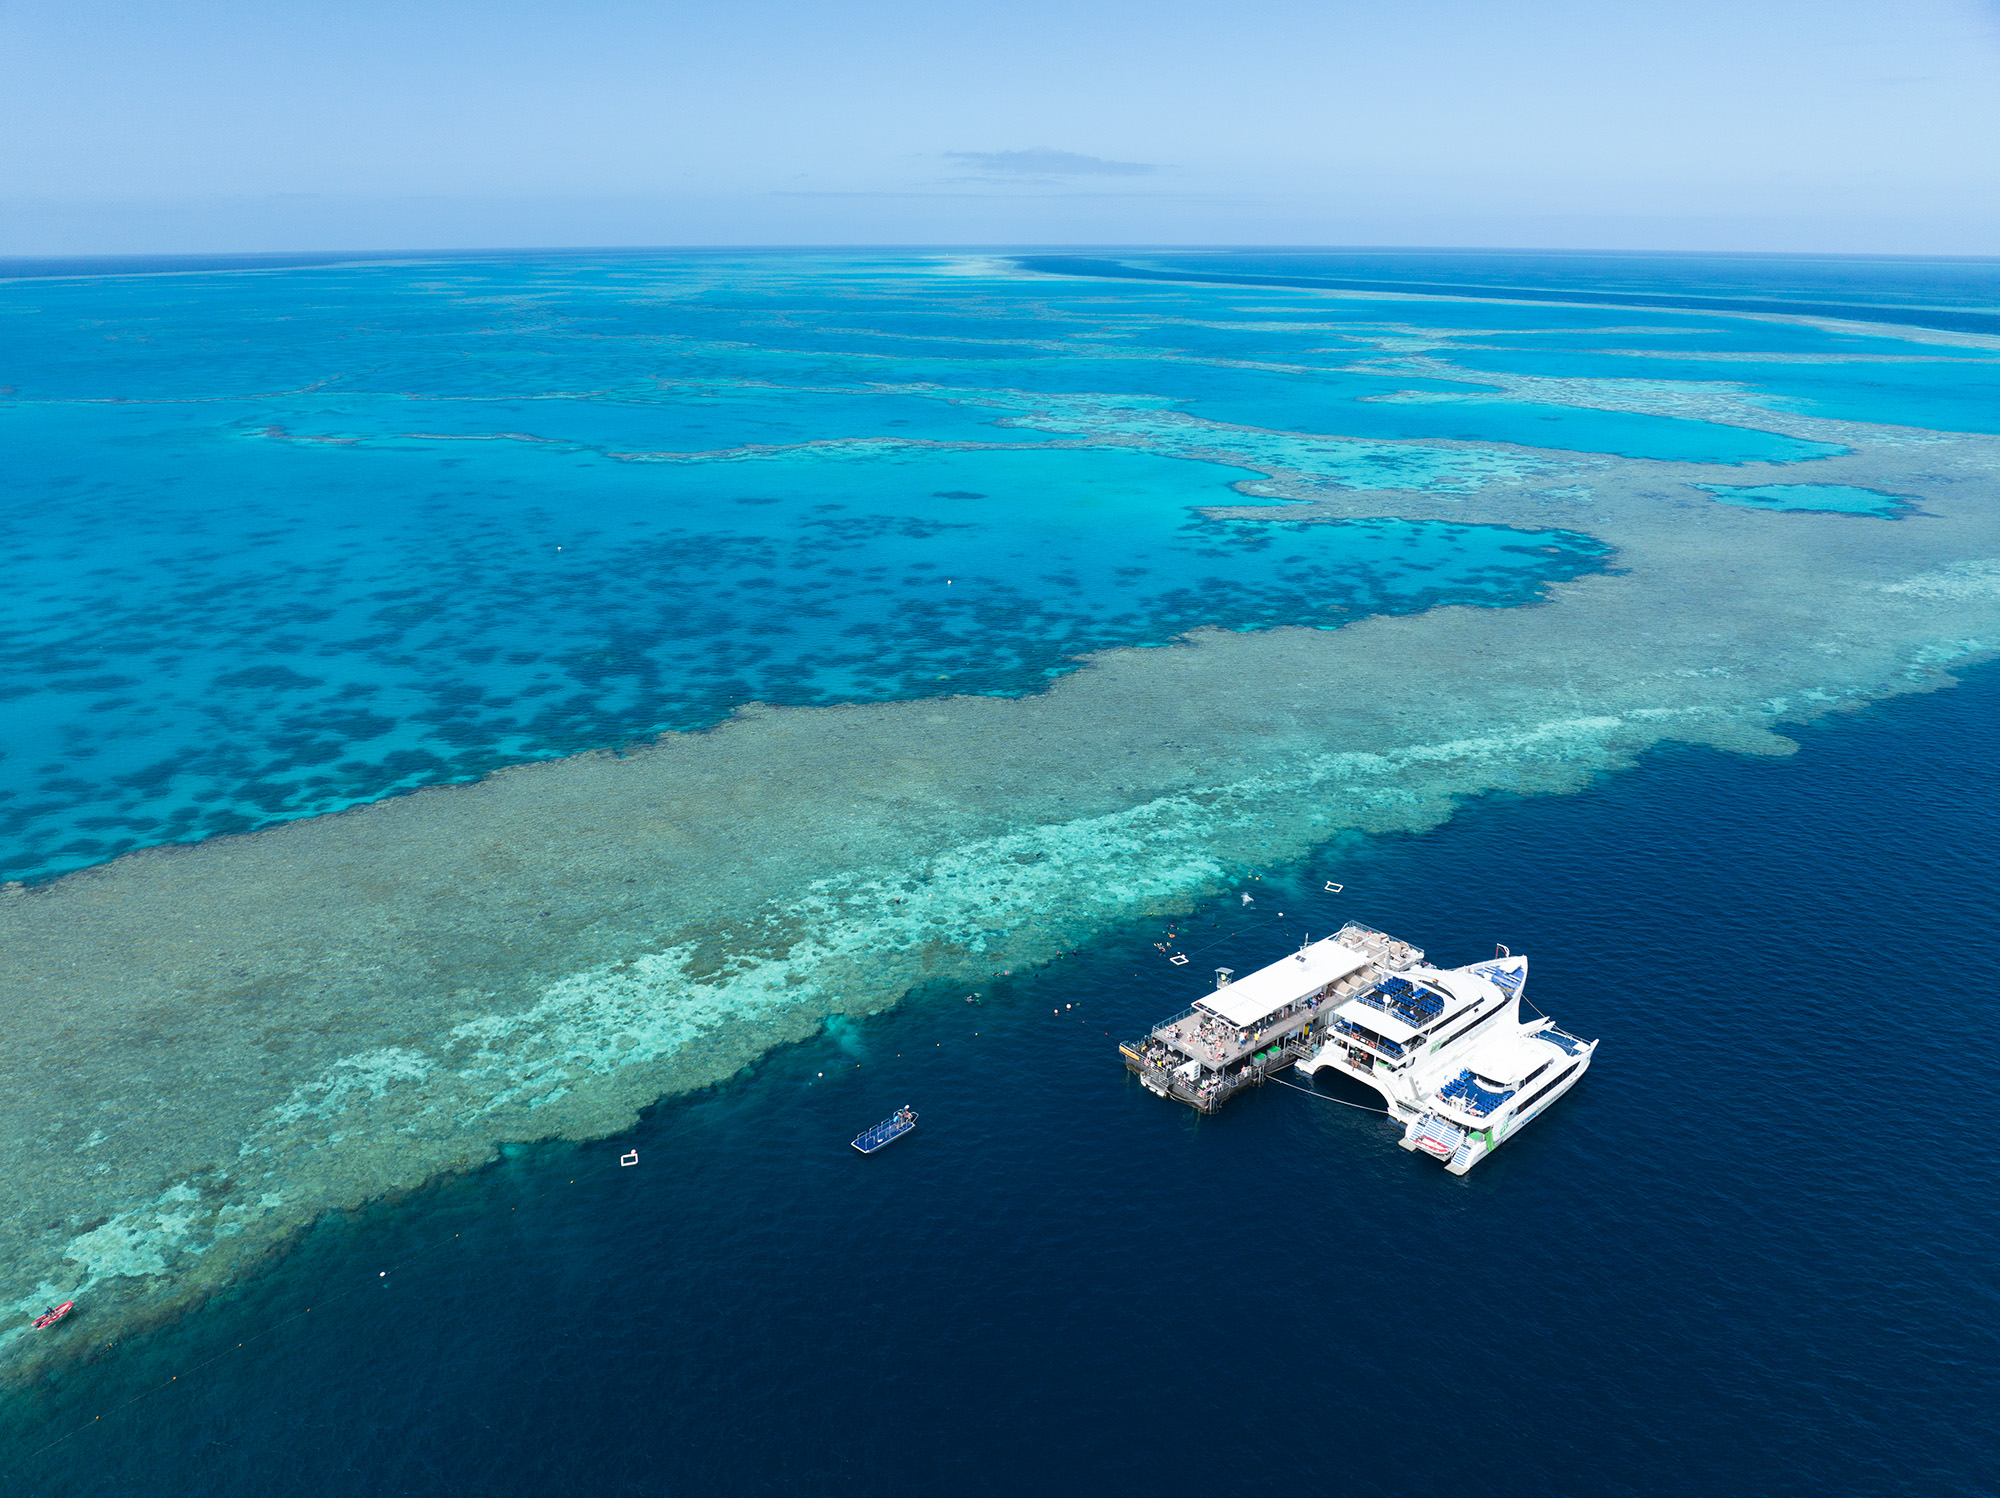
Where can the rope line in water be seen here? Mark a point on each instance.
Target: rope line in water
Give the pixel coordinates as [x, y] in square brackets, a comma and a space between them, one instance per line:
[1315, 1092]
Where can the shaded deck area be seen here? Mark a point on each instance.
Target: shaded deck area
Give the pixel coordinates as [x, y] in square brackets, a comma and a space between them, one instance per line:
[1165, 1072]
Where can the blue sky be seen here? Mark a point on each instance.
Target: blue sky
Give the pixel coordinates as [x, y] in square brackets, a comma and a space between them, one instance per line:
[1755, 124]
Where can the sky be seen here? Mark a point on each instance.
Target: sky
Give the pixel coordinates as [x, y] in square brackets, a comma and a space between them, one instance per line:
[131, 126]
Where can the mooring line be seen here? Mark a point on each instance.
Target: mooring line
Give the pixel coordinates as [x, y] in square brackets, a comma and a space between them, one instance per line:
[1315, 1092]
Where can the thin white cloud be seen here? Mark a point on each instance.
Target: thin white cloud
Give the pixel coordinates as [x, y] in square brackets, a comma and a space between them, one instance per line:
[1043, 162]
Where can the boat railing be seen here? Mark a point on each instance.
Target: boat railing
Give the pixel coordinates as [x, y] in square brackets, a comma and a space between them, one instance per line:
[890, 1128]
[1389, 953]
[1209, 1089]
[1173, 1019]
[1464, 1093]
[1502, 976]
[1381, 1044]
[1153, 1054]
[1562, 1039]
[1221, 1047]
[1416, 1011]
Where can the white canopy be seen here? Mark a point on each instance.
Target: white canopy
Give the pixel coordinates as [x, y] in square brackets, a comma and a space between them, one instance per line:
[1504, 1057]
[1370, 1018]
[1250, 1000]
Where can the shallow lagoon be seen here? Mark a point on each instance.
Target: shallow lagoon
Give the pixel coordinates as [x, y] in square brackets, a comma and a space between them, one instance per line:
[1954, 390]
[1837, 498]
[300, 1020]
[355, 619]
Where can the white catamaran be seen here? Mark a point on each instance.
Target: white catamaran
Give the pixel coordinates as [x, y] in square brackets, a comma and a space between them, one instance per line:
[1448, 1051]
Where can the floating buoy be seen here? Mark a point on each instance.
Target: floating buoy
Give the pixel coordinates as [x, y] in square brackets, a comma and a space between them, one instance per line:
[1334, 889]
[631, 1157]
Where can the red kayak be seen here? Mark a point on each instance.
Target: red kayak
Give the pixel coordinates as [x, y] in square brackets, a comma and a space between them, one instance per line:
[50, 1318]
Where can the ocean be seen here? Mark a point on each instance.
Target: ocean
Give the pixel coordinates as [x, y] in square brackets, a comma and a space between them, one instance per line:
[1633, 636]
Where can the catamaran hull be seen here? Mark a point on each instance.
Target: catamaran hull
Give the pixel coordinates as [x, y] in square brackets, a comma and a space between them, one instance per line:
[1459, 1155]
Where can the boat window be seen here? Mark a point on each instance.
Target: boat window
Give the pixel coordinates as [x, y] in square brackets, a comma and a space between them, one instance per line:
[1473, 1026]
[1453, 1016]
[1536, 1072]
[1546, 1086]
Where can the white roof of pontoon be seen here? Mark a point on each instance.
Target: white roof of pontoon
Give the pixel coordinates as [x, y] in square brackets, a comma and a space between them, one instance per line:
[1270, 988]
[1370, 1018]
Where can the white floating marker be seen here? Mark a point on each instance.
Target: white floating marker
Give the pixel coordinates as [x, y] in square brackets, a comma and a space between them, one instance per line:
[1334, 889]
[630, 1157]
[1179, 959]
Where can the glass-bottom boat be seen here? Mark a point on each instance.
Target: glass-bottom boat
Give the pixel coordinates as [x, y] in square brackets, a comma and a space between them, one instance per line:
[890, 1129]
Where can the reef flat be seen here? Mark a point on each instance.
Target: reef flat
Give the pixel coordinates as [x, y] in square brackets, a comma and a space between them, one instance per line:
[215, 1043]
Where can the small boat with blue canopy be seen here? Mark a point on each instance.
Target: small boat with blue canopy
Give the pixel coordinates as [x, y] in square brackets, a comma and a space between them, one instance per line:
[894, 1127]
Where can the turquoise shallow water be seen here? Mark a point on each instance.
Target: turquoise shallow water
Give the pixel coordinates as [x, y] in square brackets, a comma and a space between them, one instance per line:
[1839, 498]
[1366, 405]
[241, 626]
[1946, 389]
[348, 621]
[287, 540]
[1669, 1283]
[301, 538]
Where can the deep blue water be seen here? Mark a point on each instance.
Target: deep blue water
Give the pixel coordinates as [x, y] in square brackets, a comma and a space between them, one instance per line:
[1752, 1253]
[283, 540]
[1955, 292]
